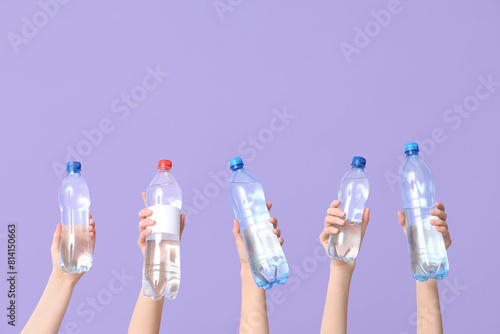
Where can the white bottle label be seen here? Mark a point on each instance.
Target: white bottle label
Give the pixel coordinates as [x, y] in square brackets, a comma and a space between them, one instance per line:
[167, 218]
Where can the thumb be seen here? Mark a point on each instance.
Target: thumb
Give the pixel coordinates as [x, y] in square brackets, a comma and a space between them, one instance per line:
[365, 220]
[56, 240]
[401, 218]
[236, 228]
[144, 198]
[183, 223]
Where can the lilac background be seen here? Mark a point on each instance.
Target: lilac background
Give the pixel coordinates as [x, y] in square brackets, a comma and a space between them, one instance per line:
[226, 76]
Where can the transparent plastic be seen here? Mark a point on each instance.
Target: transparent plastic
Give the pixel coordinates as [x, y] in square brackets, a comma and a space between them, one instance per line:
[265, 255]
[162, 262]
[353, 193]
[76, 254]
[426, 247]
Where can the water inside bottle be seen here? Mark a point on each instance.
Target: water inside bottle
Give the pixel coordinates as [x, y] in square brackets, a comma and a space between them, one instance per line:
[426, 245]
[265, 255]
[345, 244]
[162, 267]
[76, 248]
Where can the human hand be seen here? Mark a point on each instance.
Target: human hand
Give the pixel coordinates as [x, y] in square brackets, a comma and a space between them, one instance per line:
[55, 250]
[145, 222]
[440, 224]
[240, 245]
[336, 216]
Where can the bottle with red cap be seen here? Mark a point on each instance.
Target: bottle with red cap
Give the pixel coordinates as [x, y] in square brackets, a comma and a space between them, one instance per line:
[162, 270]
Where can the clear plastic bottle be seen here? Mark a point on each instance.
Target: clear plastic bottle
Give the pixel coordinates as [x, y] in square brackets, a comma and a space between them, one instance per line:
[425, 245]
[265, 255]
[162, 261]
[353, 193]
[76, 253]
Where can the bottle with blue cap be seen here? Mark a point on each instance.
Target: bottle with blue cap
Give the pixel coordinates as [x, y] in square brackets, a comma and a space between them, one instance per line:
[426, 246]
[265, 255]
[353, 193]
[76, 253]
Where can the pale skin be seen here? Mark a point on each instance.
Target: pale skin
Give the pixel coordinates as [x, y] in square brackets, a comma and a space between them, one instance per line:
[337, 297]
[428, 309]
[51, 308]
[253, 299]
[146, 318]
[335, 313]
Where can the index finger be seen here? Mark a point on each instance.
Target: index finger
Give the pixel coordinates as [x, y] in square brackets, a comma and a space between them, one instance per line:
[335, 204]
[440, 206]
[439, 213]
[335, 212]
[145, 213]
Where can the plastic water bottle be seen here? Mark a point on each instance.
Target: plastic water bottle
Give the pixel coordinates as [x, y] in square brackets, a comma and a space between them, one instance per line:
[162, 261]
[426, 245]
[353, 193]
[76, 253]
[265, 256]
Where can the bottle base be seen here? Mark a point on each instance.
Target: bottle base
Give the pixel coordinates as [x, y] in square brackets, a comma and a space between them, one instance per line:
[149, 293]
[269, 285]
[343, 258]
[423, 269]
[157, 290]
[438, 277]
[75, 269]
[271, 271]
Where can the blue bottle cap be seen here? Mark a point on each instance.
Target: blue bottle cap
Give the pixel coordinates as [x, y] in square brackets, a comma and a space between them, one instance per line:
[411, 147]
[73, 166]
[235, 161]
[358, 162]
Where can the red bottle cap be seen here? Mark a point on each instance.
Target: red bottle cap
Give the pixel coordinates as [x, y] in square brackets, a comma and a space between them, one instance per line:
[164, 163]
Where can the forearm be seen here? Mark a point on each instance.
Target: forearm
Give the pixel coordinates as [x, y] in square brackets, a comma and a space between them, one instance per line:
[146, 318]
[52, 306]
[337, 297]
[428, 308]
[253, 306]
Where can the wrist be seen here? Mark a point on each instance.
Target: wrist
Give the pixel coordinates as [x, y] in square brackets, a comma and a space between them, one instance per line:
[245, 272]
[64, 280]
[429, 285]
[343, 268]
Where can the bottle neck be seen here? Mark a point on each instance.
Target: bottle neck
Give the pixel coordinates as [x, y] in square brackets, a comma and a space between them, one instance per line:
[74, 172]
[357, 167]
[236, 167]
[411, 152]
[164, 169]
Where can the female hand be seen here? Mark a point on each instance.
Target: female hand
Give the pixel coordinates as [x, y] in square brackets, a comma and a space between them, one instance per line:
[145, 222]
[240, 245]
[440, 224]
[55, 250]
[336, 217]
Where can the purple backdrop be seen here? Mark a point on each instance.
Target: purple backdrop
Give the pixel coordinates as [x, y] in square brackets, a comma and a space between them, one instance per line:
[296, 89]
